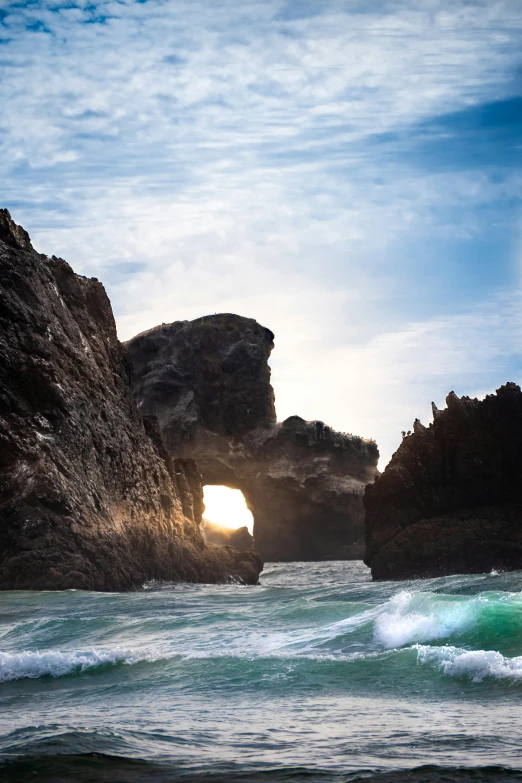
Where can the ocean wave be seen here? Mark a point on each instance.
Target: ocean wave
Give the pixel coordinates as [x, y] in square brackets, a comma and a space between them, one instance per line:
[410, 617]
[476, 665]
[405, 619]
[291, 630]
[57, 663]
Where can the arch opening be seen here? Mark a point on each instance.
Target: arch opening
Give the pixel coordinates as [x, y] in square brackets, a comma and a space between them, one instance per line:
[227, 508]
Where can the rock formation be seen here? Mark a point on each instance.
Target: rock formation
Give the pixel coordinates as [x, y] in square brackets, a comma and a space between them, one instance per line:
[208, 383]
[89, 498]
[450, 500]
[239, 538]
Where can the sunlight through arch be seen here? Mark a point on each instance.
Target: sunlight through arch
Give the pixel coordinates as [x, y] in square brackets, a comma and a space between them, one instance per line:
[226, 507]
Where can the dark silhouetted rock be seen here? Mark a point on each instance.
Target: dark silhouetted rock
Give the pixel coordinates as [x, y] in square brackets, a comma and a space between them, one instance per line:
[208, 383]
[450, 500]
[240, 538]
[88, 499]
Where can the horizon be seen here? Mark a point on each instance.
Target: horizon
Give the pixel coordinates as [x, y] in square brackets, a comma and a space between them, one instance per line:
[348, 175]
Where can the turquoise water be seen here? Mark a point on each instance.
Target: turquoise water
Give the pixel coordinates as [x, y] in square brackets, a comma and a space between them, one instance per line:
[318, 674]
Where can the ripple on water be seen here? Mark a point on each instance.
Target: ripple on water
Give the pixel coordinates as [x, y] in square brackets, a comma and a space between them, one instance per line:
[319, 673]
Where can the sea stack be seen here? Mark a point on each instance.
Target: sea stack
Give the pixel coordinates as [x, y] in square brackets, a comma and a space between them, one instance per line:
[89, 498]
[208, 383]
[450, 500]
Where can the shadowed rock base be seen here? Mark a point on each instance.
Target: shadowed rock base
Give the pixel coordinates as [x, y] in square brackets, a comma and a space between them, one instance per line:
[450, 500]
[89, 498]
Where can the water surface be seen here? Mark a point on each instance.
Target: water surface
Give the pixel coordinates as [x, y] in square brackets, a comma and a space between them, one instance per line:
[318, 674]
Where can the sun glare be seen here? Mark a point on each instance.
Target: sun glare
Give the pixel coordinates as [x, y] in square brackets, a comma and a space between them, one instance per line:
[226, 507]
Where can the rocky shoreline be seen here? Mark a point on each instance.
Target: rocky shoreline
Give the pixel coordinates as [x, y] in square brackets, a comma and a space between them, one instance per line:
[89, 498]
[105, 449]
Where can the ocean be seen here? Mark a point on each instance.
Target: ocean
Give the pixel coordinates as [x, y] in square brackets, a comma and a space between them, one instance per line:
[319, 674]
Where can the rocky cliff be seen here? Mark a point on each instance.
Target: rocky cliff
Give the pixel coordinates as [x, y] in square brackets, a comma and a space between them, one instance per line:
[89, 498]
[450, 500]
[208, 383]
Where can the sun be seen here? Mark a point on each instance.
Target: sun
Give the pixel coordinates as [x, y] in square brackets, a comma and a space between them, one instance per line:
[226, 507]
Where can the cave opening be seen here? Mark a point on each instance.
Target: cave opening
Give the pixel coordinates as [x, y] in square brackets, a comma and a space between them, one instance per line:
[226, 507]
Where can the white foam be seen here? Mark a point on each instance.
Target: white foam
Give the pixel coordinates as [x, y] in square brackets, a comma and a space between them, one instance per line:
[474, 664]
[416, 617]
[56, 663]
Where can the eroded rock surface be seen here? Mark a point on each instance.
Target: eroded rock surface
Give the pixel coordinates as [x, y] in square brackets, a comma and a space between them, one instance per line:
[450, 500]
[208, 383]
[86, 498]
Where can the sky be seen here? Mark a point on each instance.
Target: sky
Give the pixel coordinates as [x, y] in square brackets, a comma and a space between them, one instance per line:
[348, 173]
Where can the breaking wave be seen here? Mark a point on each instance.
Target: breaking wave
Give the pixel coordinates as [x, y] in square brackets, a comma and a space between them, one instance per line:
[474, 664]
[55, 663]
[410, 617]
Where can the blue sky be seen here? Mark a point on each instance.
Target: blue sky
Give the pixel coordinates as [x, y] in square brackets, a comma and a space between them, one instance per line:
[349, 173]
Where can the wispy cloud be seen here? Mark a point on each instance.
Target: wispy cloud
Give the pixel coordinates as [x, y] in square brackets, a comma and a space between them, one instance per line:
[348, 173]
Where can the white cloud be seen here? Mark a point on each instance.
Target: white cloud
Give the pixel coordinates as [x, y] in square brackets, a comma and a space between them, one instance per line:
[335, 357]
[243, 77]
[224, 149]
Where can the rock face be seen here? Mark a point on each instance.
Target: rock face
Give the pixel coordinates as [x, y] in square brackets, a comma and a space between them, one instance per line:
[450, 500]
[208, 383]
[89, 498]
[239, 538]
